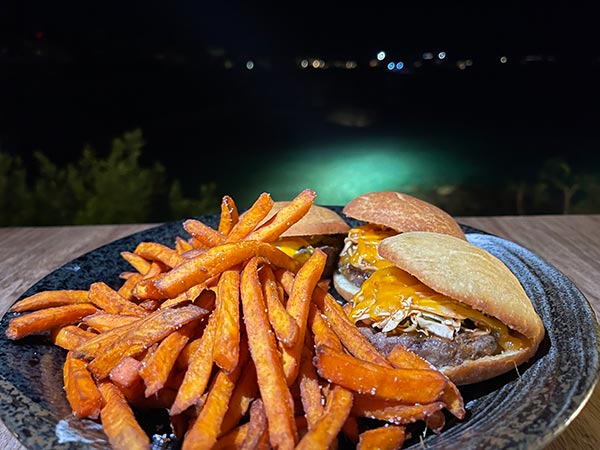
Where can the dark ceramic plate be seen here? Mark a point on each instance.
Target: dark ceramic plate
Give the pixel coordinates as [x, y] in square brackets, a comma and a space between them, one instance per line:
[524, 409]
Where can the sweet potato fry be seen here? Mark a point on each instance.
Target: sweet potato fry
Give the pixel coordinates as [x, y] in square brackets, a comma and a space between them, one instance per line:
[197, 374]
[142, 265]
[285, 217]
[251, 218]
[46, 319]
[322, 333]
[182, 245]
[351, 337]
[109, 300]
[401, 357]
[275, 394]
[119, 422]
[126, 377]
[208, 236]
[298, 306]
[284, 325]
[206, 428]
[406, 385]
[387, 437]
[81, 390]
[70, 336]
[234, 439]
[325, 431]
[102, 321]
[227, 334]
[310, 387]
[99, 343]
[216, 260]
[50, 299]
[157, 367]
[157, 326]
[145, 289]
[246, 390]
[126, 289]
[154, 251]
[393, 411]
[257, 437]
[229, 215]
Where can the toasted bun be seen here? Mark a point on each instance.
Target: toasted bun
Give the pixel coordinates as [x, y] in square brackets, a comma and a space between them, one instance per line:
[471, 275]
[402, 212]
[319, 220]
[343, 286]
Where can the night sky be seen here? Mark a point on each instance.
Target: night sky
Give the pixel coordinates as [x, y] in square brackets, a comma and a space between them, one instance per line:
[288, 28]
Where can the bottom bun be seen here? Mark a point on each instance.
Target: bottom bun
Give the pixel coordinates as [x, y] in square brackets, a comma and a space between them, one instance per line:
[344, 287]
[476, 370]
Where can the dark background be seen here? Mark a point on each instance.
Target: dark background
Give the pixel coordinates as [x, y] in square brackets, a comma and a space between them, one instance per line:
[76, 73]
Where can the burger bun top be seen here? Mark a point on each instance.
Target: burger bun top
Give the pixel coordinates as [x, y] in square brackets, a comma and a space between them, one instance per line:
[319, 220]
[402, 212]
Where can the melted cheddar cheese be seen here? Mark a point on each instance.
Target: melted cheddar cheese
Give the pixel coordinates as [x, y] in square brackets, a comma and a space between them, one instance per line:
[366, 239]
[393, 293]
[296, 247]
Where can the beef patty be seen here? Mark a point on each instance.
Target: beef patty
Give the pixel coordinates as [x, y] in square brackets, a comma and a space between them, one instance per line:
[438, 351]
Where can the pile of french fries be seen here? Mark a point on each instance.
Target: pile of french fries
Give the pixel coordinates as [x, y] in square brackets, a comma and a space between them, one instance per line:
[243, 346]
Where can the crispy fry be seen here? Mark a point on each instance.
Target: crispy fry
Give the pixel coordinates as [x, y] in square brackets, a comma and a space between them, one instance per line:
[401, 357]
[154, 251]
[82, 393]
[207, 426]
[126, 289]
[99, 343]
[245, 391]
[257, 435]
[50, 299]
[324, 432]
[233, 439]
[387, 437]
[182, 245]
[275, 394]
[284, 325]
[298, 306]
[157, 326]
[393, 411]
[145, 289]
[198, 372]
[322, 333]
[158, 365]
[119, 422]
[139, 263]
[217, 260]
[46, 319]
[109, 300]
[407, 385]
[251, 218]
[229, 215]
[102, 321]
[227, 334]
[351, 337]
[126, 377]
[70, 336]
[310, 387]
[285, 217]
[208, 236]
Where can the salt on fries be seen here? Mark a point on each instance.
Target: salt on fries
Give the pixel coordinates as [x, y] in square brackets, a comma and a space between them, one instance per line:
[237, 341]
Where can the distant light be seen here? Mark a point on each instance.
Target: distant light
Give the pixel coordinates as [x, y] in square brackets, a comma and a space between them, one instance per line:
[304, 63]
[399, 65]
[373, 63]
[441, 55]
[228, 64]
[469, 62]
[427, 55]
[39, 34]
[250, 65]
[503, 59]
[381, 56]
[315, 63]
[351, 64]
[391, 65]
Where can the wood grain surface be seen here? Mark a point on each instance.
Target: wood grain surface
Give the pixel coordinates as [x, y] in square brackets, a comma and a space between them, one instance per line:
[571, 243]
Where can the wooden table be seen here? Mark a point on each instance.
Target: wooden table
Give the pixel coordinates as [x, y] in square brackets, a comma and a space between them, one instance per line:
[570, 243]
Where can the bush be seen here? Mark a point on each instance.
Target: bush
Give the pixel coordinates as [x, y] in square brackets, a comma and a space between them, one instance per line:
[95, 190]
